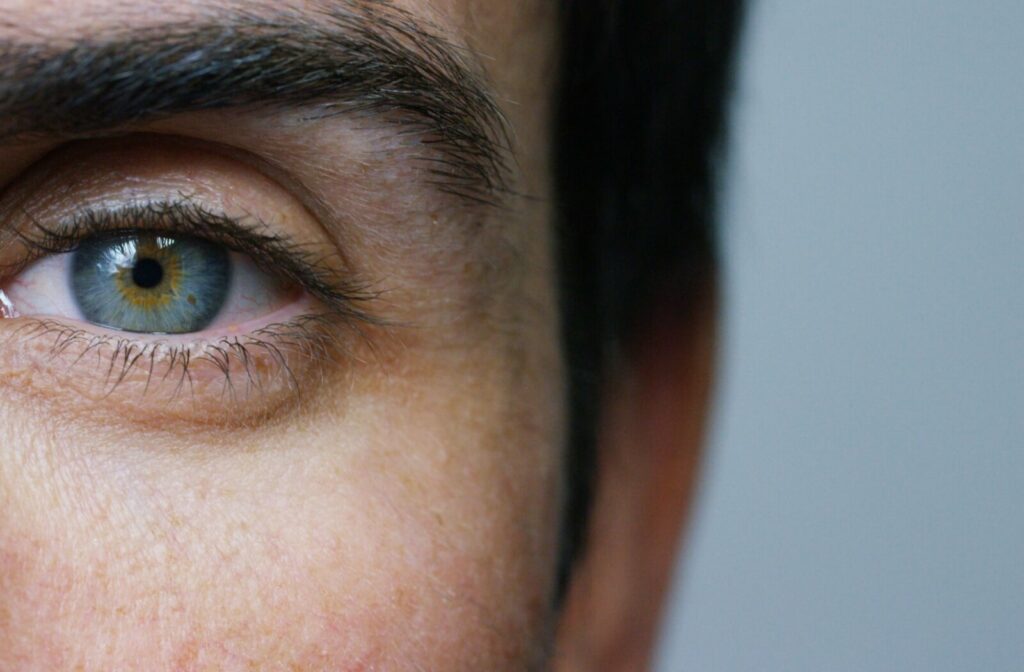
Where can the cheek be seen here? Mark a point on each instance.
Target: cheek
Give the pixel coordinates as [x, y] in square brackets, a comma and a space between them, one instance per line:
[416, 529]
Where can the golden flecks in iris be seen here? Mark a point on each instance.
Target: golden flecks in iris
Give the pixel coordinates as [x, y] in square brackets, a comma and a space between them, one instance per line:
[162, 295]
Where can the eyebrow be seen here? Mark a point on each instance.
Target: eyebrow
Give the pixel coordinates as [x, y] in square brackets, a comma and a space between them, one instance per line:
[370, 58]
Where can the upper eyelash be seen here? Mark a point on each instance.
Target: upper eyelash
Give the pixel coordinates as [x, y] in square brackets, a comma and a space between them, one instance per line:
[272, 252]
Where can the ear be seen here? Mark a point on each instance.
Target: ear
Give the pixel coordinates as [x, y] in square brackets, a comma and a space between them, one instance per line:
[654, 413]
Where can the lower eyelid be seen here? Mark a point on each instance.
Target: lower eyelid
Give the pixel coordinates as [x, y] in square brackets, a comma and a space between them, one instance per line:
[250, 359]
[270, 346]
[207, 378]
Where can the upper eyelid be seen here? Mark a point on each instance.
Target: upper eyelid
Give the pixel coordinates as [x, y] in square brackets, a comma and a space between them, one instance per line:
[266, 166]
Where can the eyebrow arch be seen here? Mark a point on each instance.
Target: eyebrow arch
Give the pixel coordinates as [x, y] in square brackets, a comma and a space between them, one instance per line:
[364, 59]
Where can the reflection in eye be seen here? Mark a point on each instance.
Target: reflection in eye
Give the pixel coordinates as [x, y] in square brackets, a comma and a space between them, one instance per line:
[150, 284]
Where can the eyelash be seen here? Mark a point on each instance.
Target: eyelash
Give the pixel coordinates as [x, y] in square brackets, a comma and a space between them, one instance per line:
[310, 335]
[313, 336]
[273, 253]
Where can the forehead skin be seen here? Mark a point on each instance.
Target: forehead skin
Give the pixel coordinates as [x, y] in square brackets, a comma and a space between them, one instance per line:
[413, 526]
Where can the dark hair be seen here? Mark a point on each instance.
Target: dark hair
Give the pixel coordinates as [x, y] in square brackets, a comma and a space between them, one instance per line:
[639, 121]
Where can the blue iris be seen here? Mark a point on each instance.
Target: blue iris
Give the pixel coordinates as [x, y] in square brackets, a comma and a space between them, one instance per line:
[150, 284]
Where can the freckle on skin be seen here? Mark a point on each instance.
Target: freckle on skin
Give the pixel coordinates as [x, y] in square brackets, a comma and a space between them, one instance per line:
[187, 656]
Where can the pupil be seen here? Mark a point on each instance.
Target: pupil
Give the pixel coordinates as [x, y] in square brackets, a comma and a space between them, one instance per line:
[148, 273]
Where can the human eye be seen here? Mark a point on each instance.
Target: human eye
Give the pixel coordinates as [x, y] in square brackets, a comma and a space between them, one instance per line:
[172, 279]
[139, 271]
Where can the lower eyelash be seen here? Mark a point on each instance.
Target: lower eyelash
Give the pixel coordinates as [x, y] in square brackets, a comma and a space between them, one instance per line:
[242, 366]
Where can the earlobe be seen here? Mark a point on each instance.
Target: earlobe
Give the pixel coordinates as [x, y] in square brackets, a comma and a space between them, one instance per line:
[654, 411]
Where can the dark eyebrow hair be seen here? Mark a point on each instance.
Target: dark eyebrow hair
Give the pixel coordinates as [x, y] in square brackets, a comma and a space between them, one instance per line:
[371, 58]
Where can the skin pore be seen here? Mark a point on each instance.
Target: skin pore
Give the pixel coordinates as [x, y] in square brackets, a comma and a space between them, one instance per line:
[391, 502]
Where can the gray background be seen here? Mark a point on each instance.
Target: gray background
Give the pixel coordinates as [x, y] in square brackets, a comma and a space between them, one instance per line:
[863, 503]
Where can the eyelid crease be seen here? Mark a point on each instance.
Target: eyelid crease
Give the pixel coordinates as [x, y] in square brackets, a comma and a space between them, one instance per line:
[272, 252]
